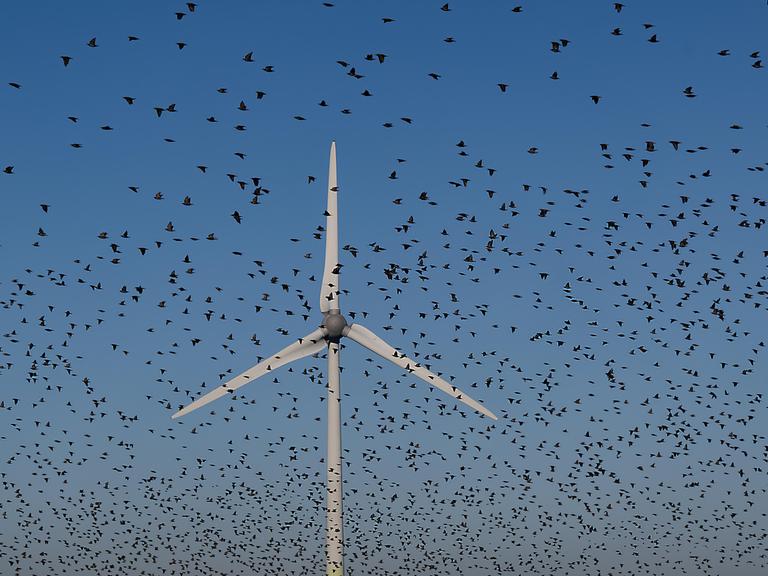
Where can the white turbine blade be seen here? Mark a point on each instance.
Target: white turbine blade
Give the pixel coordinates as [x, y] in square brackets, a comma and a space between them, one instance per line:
[312, 343]
[329, 291]
[365, 337]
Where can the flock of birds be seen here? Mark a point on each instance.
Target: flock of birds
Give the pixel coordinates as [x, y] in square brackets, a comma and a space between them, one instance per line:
[617, 331]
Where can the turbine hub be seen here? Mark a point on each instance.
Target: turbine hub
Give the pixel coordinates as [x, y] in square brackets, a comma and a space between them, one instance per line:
[334, 323]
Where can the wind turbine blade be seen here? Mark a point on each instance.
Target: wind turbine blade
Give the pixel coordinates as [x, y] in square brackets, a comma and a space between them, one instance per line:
[365, 337]
[329, 291]
[312, 343]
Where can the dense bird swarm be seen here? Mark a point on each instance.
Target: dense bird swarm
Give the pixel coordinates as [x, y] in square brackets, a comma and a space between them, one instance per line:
[559, 208]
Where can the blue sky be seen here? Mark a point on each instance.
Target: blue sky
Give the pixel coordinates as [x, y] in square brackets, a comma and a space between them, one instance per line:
[611, 310]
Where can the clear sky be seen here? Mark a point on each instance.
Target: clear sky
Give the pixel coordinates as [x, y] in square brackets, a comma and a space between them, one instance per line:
[559, 206]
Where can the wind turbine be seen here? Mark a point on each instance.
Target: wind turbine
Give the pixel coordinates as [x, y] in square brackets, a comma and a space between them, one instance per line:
[333, 328]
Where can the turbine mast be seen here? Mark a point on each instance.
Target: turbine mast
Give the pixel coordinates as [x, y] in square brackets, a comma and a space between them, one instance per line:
[335, 527]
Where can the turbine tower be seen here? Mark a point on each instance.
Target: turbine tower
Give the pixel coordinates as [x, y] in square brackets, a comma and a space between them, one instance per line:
[333, 328]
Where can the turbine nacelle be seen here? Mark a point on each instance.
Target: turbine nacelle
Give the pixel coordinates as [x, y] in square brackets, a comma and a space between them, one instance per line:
[335, 325]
